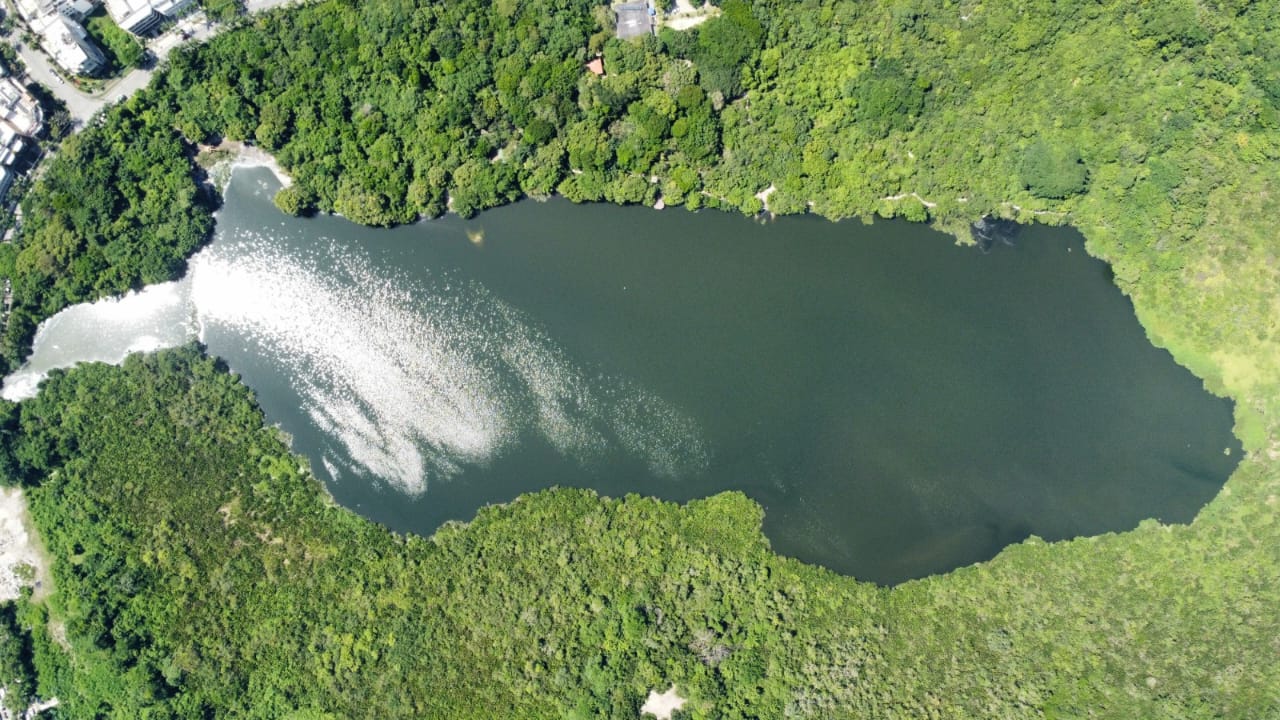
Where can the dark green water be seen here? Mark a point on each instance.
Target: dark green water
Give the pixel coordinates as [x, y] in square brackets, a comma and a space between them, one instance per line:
[899, 405]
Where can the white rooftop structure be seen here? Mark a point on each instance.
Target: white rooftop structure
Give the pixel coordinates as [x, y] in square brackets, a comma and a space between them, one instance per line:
[10, 145]
[136, 16]
[633, 19]
[33, 9]
[68, 43]
[77, 9]
[172, 8]
[6, 179]
[141, 17]
[18, 109]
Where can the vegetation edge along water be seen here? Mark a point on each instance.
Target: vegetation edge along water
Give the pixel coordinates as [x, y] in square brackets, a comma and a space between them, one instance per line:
[198, 570]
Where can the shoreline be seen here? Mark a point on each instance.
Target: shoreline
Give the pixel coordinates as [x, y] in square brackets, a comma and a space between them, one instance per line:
[240, 154]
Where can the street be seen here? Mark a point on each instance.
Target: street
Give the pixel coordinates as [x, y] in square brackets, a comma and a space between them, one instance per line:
[79, 105]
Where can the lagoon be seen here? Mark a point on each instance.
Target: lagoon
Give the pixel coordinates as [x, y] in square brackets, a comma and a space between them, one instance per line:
[899, 405]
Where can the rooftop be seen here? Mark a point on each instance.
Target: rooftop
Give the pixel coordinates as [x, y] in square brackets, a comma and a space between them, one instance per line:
[124, 8]
[18, 109]
[32, 9]
[144, 16]
[129, 14]
[67, 42]
[633, 19]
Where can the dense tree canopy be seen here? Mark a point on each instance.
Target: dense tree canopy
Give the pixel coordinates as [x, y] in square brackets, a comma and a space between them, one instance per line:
[1050, 171]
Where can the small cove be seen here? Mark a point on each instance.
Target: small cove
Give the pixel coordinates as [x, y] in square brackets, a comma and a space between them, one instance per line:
[899, 405]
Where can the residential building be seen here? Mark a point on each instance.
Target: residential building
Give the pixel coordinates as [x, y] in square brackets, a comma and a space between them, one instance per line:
[20, 118]
[143, 17]
[68, 44]
[173, 9]
[18, 109]
[78, 10]
[10, 145]
[57, 23]
[33, 9]
[633, 19]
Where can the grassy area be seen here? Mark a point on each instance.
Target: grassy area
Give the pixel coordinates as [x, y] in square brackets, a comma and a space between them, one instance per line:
[123, 50]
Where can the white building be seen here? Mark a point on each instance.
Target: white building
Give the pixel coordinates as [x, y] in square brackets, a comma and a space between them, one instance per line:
[68, 44]
[143, 17]
[173, 8]
[57, 22]
[10, 145]
[77, 10]
[18, 109]
[33, 9]
[20, 118]
[74, 9]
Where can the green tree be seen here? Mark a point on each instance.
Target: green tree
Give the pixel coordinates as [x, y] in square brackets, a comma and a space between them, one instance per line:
[889, 98]
[1053, 171]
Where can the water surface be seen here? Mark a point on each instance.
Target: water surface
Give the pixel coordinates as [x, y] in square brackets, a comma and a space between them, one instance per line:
[899, 405]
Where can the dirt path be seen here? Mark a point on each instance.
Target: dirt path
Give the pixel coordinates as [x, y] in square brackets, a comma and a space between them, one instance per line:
[687, 16]
[661, 706]
[22, 559]
[904, 196]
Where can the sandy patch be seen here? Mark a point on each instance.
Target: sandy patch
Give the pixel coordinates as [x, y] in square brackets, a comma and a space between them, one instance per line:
[22, 562]
[763, 196]
[661, 706]
[903, 196]
[251, 156]
[687, 16]
[242, 155]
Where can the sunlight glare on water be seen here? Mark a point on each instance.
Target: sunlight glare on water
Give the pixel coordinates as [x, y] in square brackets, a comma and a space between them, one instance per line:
[414, 386]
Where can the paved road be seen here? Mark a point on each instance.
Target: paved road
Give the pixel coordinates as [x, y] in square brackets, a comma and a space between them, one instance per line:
[39, 68]
[82, 105]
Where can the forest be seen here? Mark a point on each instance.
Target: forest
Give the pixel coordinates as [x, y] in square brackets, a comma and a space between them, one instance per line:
[201, 571]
